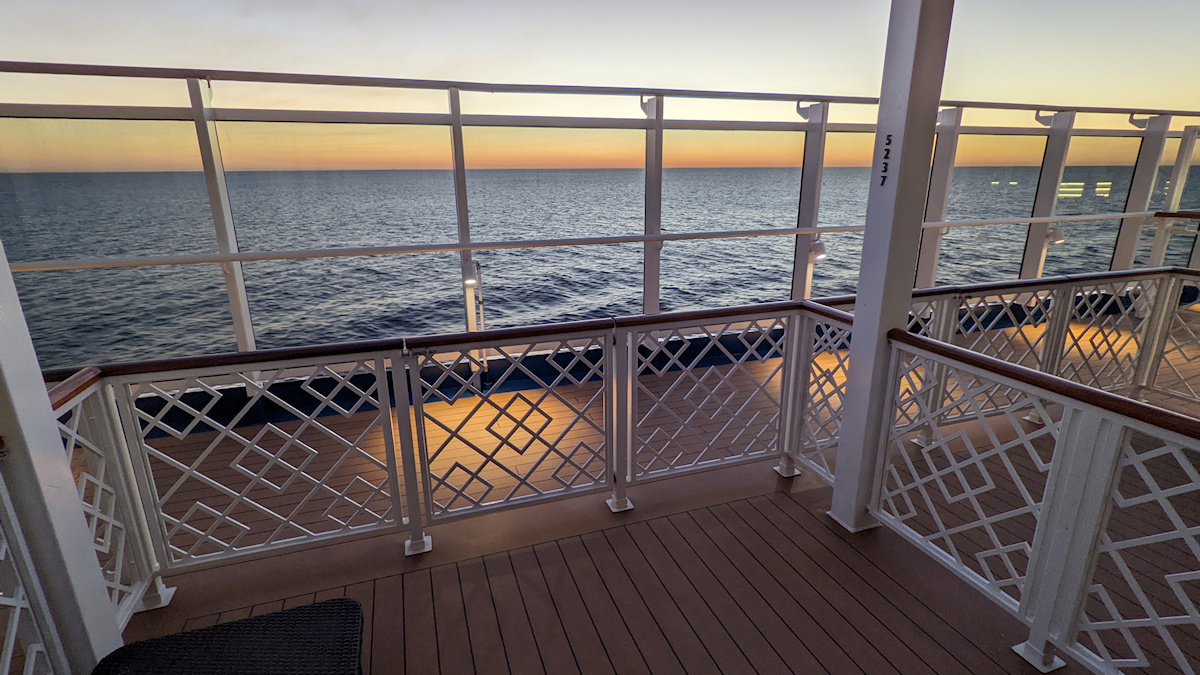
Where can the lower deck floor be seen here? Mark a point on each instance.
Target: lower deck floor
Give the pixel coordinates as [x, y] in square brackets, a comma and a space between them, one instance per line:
[762, 583]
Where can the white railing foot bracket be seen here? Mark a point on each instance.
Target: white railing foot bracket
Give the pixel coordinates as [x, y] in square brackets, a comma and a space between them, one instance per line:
[419, 546]
[618, 505]
[1045, 663]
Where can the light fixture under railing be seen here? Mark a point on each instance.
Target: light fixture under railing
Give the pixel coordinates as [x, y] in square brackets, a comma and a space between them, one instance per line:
[817, 252]
[1055, 236]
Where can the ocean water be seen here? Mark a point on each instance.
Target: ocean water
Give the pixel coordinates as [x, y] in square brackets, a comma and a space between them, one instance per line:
[101, 316]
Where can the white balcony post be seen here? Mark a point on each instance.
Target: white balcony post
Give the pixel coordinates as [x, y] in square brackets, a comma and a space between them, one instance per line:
[914, 62]
[940, 179]
[1145, 174]
[793, 395]
[1072, 515]
[45, 502]
[811, 173]
[222, 213]
[1054, 162]
[408, 366]
[621, 378]
[466, 264]
[652, 256]
[1179, 176]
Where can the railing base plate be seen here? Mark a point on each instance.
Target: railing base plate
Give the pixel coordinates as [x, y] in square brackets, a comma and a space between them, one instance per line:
[1037, 658]
[425, 545]
[787, 471]
[618, 506]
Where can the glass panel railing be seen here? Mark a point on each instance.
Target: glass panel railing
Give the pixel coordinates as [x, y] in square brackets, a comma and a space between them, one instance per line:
[73, 189]
[1096, 180]
[535, 183]
[715, 181]
[995, 177]
[844, 185]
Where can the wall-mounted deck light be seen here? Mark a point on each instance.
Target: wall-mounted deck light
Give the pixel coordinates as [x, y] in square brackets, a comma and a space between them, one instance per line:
[817, 253]
[1055, 236]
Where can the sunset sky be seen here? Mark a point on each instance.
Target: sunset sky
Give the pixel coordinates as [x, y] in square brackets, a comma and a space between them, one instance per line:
[1096, 52]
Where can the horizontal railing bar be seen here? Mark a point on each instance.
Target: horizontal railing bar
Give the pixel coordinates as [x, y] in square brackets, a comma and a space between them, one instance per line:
[366, 251]
[1016, 286]
[1142, 412]
[72, 386]
[1040, 219]
[1187, 215]
[405, 83]
[349, 349]
[281, 116]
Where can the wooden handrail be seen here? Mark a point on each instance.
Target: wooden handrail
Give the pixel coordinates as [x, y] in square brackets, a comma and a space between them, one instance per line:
[1189, 215]
[1144, 412]
[349, 349]
[69, 388]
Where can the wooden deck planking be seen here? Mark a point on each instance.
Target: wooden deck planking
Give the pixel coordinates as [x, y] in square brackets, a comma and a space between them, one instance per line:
[718, 589]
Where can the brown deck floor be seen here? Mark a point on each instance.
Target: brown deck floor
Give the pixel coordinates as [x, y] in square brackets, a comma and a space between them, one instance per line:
[760, 585]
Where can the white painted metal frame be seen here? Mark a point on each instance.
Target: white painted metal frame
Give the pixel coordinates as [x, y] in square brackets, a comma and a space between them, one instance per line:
[358, 491]
[941, 177]
[483, 380]
[811, 174]
[222, 211]
[698, 404]
[1054, 162]
[652, 250]
[1141, 186]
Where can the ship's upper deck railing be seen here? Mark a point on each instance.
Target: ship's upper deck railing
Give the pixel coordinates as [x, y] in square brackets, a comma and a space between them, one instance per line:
[1151, 127]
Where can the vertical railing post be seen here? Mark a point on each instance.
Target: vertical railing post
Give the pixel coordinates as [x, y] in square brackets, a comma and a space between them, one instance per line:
[1054, 162]
[1155, 329]
[157, 594]
[45, 502]
[222, 212]
[793, 392]
[913, 66]
[408, 367]
[652, 255]
[940, 179]
[1141, 186]
[1054, 340]
[463, 213]
[1074, 510]
[623, 383]
[811, 173]
[391, 432]
[944, 327]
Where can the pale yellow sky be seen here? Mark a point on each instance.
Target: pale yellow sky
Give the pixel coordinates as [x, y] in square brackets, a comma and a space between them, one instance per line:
[1060, 52]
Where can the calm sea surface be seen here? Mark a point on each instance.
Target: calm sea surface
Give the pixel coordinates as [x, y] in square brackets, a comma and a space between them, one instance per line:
[100, 316]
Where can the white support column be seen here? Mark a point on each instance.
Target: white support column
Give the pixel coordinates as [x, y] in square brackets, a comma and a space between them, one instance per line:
[1145, 173]
[940, 178]
[811, 174]
[218, 199]
[914, 62]
[652, 257]
[1073, 512]
[1054, 162]
[466, 264]
[46, 503]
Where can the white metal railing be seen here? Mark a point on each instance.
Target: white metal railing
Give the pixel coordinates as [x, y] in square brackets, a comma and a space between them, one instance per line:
[99, 463]
[1072, 515]
[191, 464]
[1055, 122]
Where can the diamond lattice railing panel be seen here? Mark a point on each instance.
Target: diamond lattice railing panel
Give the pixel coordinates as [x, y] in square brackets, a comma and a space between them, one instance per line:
[1179, 369]
[531, 424]
[1009, 327]
[822, 424]
[1141, 607]
[970, 489]
[1103, 339]
[923, 316]
[23, 649]
[90, 447]
[253, 459]
[706, 394]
